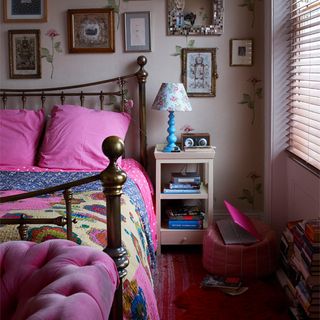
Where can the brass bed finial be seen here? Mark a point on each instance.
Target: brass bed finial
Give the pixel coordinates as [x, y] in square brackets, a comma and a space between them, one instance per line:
[113, 178]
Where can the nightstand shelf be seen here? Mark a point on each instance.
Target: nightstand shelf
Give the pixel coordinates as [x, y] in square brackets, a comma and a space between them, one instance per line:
[165, 161]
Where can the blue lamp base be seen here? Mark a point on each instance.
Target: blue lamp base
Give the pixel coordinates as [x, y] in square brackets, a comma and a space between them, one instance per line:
[171, 139]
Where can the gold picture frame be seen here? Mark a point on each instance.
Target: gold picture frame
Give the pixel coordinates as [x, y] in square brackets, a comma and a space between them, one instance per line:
[199, 71]
[91, 30]
[24, 54]
[17, 11]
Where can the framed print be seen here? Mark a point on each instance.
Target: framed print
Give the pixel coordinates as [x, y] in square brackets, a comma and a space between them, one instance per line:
[91, 30]
[241, 52]
[25, 11]
[24, 54]
[137, 31]
[199, 71]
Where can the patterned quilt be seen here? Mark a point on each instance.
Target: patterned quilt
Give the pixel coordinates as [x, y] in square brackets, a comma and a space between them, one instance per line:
[88, 207]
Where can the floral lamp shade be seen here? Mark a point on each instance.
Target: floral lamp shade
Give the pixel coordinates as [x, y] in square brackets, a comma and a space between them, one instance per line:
[172, 97]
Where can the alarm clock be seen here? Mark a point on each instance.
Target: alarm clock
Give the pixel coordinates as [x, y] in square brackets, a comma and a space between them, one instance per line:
[195, 140]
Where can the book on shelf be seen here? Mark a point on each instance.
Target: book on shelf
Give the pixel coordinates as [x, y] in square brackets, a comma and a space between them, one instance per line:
[187, 217]
[312, 230]
[185, 224]
[201, 149]
[183, 211]
[179, 191]
[185, 177]
[299, 257]
[186, 185]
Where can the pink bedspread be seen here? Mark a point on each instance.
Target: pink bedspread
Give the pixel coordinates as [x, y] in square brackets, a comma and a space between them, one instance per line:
[133, 169]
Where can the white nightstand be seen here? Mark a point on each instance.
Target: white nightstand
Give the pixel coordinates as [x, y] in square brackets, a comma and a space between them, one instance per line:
[165, 161]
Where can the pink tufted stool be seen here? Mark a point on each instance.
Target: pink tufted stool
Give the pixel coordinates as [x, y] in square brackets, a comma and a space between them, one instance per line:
[56, 279]
[246, 261]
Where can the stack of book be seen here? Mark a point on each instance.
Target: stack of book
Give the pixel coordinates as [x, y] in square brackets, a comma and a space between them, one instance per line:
[300, 272]
[185, 217]
[187, 182]
[229, 285]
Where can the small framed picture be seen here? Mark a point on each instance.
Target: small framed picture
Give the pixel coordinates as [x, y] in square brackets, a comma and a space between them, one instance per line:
[137, 36]
[199, 71]
[241, 52]
[25, 11]
[91, 30]
[24, 54]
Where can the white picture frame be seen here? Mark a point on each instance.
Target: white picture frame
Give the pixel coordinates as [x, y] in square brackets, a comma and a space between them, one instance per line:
[137, 33]
[241, 52]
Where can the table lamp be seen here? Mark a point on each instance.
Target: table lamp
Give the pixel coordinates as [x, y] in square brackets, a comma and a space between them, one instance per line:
[172, 97]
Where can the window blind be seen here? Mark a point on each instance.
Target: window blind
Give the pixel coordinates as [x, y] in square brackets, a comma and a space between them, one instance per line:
[304, 91]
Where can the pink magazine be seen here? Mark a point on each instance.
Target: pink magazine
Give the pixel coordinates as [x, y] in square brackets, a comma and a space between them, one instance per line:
[242, 220]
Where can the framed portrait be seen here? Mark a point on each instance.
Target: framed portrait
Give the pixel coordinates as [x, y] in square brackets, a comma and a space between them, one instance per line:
[25, 11]
[24, 54]
[91, 30]
[199, 71]
[137, 36]
[241, 52]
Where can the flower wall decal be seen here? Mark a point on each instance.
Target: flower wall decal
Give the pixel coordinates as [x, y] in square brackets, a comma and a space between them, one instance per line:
[249, 195]
[250, 5]
[250, 99]
[55, 47]
[115, 5]
[190, 44]
[186, 128]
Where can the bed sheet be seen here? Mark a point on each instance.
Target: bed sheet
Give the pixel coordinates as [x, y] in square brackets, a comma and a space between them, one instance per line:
[134, 170]
[89, 209]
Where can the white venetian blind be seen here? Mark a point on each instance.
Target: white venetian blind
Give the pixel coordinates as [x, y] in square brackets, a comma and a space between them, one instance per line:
[304, 102]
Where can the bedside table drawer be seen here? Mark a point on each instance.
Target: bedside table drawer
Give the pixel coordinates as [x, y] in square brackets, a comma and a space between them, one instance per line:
[183, 236]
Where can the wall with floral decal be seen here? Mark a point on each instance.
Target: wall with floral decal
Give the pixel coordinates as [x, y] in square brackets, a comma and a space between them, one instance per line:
[234, 118]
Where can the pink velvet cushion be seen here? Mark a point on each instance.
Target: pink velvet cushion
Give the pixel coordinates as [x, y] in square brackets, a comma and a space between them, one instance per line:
[75, 134]
[56, 279]
[20, 131]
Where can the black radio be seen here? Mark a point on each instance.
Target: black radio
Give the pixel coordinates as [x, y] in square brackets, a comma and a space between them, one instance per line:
[195, 140]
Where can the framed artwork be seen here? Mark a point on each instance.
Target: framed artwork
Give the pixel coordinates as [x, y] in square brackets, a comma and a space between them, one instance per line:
[91, 30]
[241, 52]
[137, 36]
[199, 71]
[24, 54]
[25, 11]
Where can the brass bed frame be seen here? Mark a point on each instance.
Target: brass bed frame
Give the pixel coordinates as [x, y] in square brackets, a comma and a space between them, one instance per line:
[112, 178]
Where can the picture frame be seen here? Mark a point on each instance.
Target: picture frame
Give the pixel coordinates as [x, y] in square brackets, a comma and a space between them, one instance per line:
[24, 54]
[18, 11]
[91, 30]
[241, 52]
[199, 71]
[137, 35]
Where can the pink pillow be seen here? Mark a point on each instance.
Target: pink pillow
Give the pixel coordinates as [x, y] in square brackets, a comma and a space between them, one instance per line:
[20, 131]
[75, 134]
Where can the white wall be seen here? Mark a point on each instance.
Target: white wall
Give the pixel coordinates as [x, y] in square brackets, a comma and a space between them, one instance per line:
[240, 145]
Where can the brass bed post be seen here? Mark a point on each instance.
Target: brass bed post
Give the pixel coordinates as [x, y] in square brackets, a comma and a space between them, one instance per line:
[142, 75]
[112, 179]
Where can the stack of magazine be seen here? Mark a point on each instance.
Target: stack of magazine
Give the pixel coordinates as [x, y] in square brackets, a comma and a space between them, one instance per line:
[185, 217]
[183, 182]
[229, 285]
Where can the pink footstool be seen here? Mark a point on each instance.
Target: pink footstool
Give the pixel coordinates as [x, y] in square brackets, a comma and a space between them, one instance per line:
[246, 261]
